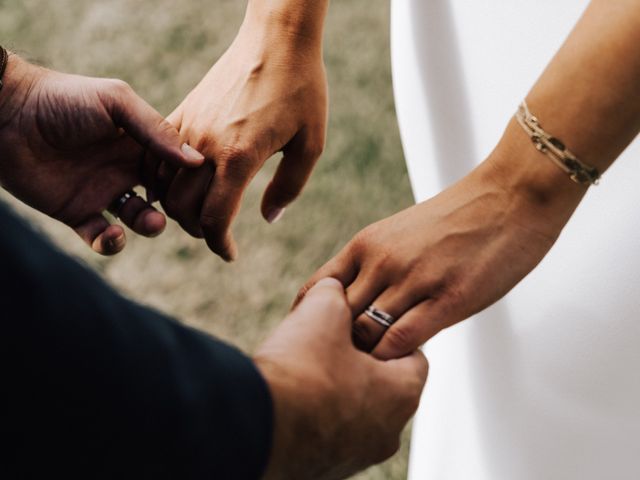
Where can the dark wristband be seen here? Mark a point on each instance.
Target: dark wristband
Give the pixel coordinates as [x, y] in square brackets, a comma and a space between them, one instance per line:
[4, 58]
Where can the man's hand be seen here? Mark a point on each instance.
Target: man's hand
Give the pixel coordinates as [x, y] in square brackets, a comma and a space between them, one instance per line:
[73, 145]
[266, 94]
[337, 410]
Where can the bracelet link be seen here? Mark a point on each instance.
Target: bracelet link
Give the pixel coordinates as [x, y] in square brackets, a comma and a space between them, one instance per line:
[4, 59]
[555, 149]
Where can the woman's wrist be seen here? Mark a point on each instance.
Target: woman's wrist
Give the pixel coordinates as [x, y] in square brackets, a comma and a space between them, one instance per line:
[535, 187]
[298, 23]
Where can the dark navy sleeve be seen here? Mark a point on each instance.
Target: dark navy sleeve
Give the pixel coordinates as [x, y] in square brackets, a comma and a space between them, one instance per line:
[95, 386]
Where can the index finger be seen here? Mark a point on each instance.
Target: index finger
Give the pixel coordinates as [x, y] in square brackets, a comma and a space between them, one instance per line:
[343, 267]
[413, 367]
[325, 308]
[147, 127]
[408, 375]
[222, 203]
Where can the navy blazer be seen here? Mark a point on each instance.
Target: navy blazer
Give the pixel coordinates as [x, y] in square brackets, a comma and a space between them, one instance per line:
[95, 386]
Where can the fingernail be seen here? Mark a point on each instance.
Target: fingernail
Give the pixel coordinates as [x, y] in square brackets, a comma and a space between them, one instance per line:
[329, 282]
[191, 153]
[275, 214]
[116, 244]
[230, 256]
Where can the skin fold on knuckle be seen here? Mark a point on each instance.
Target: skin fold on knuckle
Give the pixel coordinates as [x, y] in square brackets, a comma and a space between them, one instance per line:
[113, 94]
[214, 223]
[236, 163]
[370, 242]
[361, 241]
[167, 133]
[202, 141]
[452, 306]
[401, 339]
[120, 86]
[363, 335]
[120, 92]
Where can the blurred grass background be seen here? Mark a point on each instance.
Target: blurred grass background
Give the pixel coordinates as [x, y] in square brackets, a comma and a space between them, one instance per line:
[163, 48]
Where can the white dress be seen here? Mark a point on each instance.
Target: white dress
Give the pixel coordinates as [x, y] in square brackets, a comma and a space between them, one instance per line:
[545, 384]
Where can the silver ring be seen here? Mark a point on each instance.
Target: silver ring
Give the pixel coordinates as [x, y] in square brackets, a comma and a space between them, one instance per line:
[380, 317]
[117, 205]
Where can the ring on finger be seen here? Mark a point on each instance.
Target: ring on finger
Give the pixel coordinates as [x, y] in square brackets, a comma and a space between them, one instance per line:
[117, 205]
[379, 316]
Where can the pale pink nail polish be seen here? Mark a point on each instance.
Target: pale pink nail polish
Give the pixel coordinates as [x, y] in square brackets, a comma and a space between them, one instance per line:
[275, 215]
[191, 153]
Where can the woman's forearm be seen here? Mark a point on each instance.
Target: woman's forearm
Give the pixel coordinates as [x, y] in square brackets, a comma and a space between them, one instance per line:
[299, 20]
[588, 97]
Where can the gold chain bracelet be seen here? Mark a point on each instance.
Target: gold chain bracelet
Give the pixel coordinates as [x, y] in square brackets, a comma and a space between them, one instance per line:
[4, 59]
[577, 170]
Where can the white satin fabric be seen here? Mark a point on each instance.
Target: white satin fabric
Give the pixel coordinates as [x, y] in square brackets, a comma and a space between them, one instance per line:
[546, 383]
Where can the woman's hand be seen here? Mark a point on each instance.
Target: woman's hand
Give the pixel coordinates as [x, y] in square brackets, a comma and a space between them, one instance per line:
[72, 145]
[267, 93]
[443, 260]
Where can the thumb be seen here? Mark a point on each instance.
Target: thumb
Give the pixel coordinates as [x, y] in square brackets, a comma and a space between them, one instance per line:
[406, 377]
[413, 368]
[147, 127]
[325, 309]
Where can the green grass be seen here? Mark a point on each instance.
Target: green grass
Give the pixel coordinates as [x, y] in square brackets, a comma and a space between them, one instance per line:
[163, 48]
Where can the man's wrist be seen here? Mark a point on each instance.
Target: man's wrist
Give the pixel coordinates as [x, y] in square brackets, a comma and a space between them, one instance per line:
[17, 80]
[281, 440]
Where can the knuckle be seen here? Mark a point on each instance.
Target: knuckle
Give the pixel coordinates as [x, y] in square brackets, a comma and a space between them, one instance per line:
[212, 222]
[450, 302]
[201, 141]
[369, 239]
[120, 87]
[455, 294]
[165, 128]
[236, 172]
[314, 150]
[412, 397]
[362, 241]
[238, 155]
[385, 258]
[387, 449]
[402, 338]
[364, 336]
